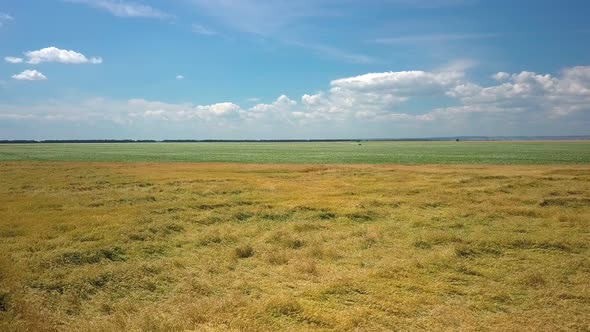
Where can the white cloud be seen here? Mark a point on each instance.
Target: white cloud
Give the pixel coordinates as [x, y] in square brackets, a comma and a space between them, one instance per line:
[29, 75]
[5, 18]
[179, 77]
[281, 108]
[458, 66]
[400, 83]
[501, 76]
[222, 109]
[54, 54]
[11, 59]
[202, 30]
[122, 8]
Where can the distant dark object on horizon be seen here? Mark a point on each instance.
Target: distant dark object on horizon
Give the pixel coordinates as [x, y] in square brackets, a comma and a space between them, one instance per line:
[434, 139]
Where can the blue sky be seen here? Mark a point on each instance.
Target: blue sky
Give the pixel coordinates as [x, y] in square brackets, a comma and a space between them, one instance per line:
[293, 69]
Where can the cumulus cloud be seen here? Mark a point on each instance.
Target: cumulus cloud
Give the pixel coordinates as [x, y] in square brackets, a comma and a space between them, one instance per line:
[29, 75]
[122, 8]
[180, 112]
[501, 76]
[11, 59]
[529, 92]
[279, 111]
[54, 54]
[376, 100]
[401, 83]
[376, 96]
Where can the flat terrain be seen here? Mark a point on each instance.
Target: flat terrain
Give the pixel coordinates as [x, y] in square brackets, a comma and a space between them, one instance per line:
[222, 247]
[493, 153]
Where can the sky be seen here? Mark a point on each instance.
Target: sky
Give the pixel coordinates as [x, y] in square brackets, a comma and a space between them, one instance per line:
[293, 69]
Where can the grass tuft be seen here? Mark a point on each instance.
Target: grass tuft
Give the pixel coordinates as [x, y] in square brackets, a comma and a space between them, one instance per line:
[465, 251]
[115, 254]
[283, 306]
[244, 251]
[534, 279]
[278, 258]
[4, 301]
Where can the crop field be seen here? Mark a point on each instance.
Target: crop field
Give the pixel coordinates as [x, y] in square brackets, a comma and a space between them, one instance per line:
[493, 153]
[104, 246]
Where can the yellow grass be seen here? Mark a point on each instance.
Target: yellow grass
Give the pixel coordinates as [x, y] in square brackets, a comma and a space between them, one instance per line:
[234, 247]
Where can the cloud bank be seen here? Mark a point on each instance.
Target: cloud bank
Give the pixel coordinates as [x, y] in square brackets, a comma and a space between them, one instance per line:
[386, 104]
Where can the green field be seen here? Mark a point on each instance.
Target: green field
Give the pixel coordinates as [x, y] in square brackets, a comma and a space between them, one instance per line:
[493, 153]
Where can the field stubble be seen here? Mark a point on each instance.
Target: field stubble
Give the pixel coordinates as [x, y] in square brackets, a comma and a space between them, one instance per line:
[216, 247]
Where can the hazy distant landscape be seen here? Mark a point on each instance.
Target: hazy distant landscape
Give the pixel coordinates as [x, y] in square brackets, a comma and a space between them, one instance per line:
[362, 152]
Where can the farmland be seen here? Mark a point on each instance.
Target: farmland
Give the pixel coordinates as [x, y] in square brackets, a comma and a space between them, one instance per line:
[493, 153]
[102, 246]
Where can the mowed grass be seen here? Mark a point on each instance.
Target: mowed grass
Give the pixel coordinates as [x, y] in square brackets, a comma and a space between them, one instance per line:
[241, 247]
[494, 153]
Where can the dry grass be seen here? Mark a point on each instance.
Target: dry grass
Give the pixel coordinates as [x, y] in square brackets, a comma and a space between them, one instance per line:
[223, 247]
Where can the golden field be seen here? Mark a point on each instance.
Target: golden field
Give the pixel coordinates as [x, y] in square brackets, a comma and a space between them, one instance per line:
[245, 247]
